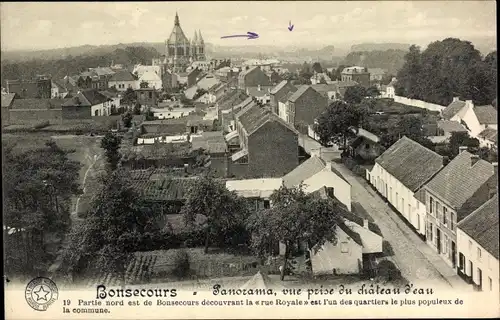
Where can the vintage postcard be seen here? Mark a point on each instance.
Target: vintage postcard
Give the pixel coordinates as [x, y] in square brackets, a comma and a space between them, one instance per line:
[247, 160]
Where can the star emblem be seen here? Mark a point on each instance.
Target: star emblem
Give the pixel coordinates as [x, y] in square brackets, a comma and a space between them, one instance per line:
[41, 294]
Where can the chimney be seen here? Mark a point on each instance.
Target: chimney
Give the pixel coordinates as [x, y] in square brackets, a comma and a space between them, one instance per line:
[455, 99]
[446, 160]
[365, 223]
[469, 103]
[258, 87]
[462, 149]
[473, 159]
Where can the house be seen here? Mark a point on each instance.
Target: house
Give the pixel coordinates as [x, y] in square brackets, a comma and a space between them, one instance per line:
[202, 65]
[216, 92]
[122, 80]
[488, 138]
[257, 191]
[228, 116]
[204, 84]
[194, 76]
[318, 78]
[261, 93]
[253, 77]
[140, 69]
[115, 99]
[279, 91]
[7, 100]
[214, 144]
[365, 146]
[167, 112]
[169, 80]
[91, 80]
[314, 174]
[263, 138]
[461, 187]
[358, 74]
[303, 107]
[228, 100]
[474, 118]
[447, 127]
[274, 77]
[390, 91]
[58, 90]
[152, 79]
[477, 245]
[147, 97]
[400, 172]
[182, 78]
[39, 87]
[86, 104]
[376, 74]
[31, 111]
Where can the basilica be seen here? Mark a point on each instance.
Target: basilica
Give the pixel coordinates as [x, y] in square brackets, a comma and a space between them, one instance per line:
[180, 52]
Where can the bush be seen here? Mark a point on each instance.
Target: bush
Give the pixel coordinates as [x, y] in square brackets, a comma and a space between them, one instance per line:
[182, 264]
[388, 272]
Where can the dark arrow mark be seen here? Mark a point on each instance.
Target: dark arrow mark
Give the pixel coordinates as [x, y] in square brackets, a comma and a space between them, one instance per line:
[290, 25]
[249, 35]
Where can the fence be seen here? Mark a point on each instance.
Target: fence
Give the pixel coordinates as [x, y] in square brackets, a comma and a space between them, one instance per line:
[419, 104]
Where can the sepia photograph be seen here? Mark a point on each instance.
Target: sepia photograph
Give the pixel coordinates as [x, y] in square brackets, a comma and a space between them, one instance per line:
[287, 157]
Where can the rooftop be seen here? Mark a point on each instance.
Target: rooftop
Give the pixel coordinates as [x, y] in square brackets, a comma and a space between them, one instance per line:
[253, 188]
[450, 126]
[86, 98]
[123, 75]
[489, 134]
[486, 114]
[482, 226]
[39, 104]
[452, 109]
[410, 163]
[305, 170]
[254, 116]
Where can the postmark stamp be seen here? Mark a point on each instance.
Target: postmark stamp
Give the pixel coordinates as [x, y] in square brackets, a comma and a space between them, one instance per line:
[40, 293]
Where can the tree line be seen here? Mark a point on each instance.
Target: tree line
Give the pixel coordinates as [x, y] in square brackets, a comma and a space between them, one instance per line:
[446, 69]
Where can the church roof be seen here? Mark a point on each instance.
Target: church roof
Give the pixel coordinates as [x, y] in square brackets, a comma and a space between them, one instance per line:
[195, 38]
[177, 35]
[200, 38]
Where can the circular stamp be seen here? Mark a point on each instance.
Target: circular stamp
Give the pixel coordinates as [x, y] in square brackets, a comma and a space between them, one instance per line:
[40, 293]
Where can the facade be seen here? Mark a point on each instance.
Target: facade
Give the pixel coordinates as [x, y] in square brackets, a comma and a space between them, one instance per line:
[478, 252]
[264, 138]
[122, 80]
[488, 138]
[147, 97]
[169, 80]
[228, 116]
[376, 74]
[253, 77]
[304, 106]
[279, 91]
[40, 88]
[257, 191]
[58, 90]
[366, 146]
[358, 74]
[87, 104]
[315, 174]
[152, 79]
[30, 111]
[400, 172]
[390, 91]
[455, 192]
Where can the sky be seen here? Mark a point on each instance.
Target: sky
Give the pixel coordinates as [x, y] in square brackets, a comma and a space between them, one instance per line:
[39, 25]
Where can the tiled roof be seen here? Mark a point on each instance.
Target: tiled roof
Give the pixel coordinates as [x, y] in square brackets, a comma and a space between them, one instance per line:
[245, 72]
[123, 75]
[300, 91]
[351, 233]
[458, 180]
[486, 114]
[39, 104]
[232, 98]
[103, 71]
[354, 69]
[149, 76]
[7, 99]
[167, 189]
[278, 87]
[59, 85]
[410, 163]
[452, 109]
[254, 187]
[208, 82]
[482, 226]
[377, 71]
[360, 221]
[213, 142]
[255, 92]
[284, 98]
[450, 126]
[305, 170]
[489, 134]
[254, 116]
[87, 98]
[109, 94]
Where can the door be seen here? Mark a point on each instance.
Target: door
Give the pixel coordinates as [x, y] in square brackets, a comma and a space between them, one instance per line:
[454, 254]
[438, 239]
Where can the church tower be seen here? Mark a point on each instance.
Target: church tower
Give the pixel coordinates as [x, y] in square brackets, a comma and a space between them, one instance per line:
[178, 47]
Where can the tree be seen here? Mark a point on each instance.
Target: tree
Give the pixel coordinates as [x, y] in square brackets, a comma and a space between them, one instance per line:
[316, 67]
[111, 144]
[372, 92]
[116, 222]
[322, 80]
[354, 94]
[37, 189]
[144, 84]
[337, 74]
[462, 139]
[409, 126]
[295, 217]
[137, 109]
[127, 119]
[129, 97]
[222, 208]
[337, 122]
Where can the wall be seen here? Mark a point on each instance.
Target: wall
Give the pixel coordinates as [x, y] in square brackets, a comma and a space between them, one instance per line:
[239, 170]
[418, 103]
[273, 151]
[400, 197]
[76, 112]
[255, 78]
[31, 89]
[472, 122]
[33, 116]
[172, 128]
[102, 109]
[308, 107]
[330, 257]
[488, 264]
[341, 189]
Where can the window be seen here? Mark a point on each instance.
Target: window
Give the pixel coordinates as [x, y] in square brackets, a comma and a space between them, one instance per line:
[397, 200]
[418, 221]
[403, 205]
[344, 248]
[470, 246]
[431, 235]
[452, 221]
[150, 95]
[438, 211]
[491, 283]
[431, 205]
[445, 244]
[330, 192]
[480, 278]
[445, 214]
[479, 254]
[267, 204]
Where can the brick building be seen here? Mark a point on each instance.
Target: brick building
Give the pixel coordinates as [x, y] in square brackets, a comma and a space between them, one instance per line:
[253, 77]
[303, 107]
[38, 88]
[358, 74]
